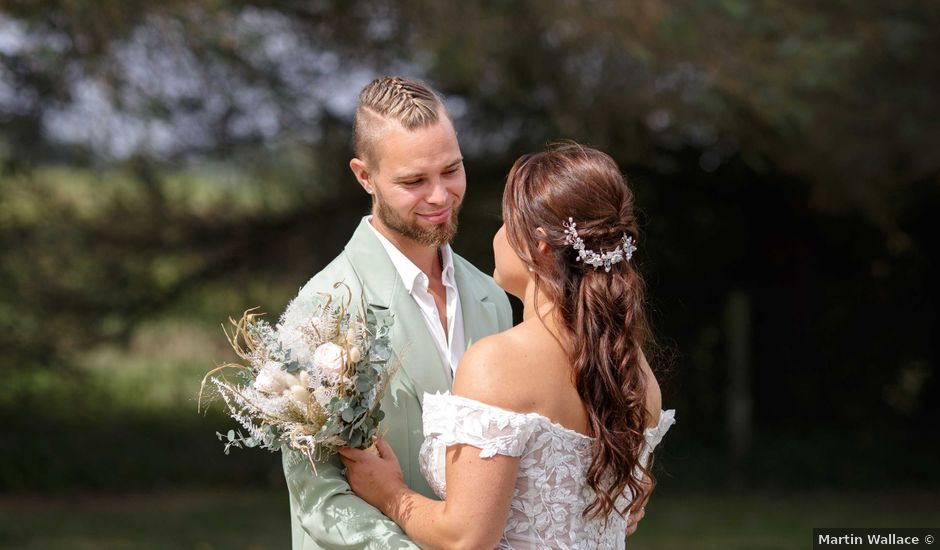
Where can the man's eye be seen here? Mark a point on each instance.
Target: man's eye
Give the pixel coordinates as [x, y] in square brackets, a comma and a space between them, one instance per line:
[411, 182]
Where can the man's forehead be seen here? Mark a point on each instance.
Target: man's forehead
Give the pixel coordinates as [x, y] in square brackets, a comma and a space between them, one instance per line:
[402, 152]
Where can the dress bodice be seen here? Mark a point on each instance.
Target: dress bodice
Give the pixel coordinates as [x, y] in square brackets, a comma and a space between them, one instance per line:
[551, 490]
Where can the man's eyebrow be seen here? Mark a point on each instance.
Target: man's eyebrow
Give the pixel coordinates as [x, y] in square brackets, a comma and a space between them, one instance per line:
[404, 177]
[416, 175]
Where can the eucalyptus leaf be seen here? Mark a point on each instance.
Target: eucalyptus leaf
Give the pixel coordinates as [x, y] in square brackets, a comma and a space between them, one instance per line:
[291, 367]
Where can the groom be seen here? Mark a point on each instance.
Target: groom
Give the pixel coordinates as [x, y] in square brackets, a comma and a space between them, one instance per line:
[400, 260]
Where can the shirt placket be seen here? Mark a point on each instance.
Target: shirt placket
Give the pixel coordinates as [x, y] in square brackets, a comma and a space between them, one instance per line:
[422, 294]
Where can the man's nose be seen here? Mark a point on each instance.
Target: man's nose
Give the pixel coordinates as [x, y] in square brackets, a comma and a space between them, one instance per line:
[438, 193]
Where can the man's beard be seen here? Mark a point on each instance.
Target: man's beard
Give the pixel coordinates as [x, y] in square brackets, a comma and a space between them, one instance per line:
[435, 236]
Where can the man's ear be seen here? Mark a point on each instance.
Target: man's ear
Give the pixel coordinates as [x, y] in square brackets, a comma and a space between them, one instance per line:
[361, 170]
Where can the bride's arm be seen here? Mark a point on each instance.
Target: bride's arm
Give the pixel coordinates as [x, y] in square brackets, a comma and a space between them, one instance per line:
[479, 490]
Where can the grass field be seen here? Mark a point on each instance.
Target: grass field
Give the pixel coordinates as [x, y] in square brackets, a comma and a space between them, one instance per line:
[258, 519]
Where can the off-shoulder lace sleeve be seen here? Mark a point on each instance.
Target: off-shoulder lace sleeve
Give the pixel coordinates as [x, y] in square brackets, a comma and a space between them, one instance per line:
[455, 420]
[655, 434]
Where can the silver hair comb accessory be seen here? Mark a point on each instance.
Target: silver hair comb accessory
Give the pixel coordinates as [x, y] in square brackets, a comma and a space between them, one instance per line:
[623, 252]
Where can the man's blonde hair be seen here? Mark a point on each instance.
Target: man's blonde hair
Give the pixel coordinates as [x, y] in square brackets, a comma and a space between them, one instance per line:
[411, 103]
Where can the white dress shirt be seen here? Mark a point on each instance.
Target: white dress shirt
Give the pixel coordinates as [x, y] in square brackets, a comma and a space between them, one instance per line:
[451, 346]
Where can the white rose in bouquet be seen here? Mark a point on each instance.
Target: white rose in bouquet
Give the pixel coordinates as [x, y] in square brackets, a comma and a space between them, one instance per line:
[301, 339]
[330, 361]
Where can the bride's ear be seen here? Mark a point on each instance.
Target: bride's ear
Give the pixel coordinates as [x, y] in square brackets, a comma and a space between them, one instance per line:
[543, 246]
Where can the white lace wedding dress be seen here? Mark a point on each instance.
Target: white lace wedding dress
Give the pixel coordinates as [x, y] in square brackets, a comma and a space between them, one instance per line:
[551, 492]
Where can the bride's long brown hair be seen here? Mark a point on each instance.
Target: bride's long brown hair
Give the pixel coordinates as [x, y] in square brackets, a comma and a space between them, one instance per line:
[604, 326]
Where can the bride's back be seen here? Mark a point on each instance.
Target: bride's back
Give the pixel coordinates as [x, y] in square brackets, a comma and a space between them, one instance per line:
[538, 378]
[532, 372]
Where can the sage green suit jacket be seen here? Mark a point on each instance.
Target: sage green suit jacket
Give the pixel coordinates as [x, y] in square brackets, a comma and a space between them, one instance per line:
[324, 511]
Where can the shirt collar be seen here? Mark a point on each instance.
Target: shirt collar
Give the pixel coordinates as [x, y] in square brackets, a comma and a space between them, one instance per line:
[411, 275]
[447, 261]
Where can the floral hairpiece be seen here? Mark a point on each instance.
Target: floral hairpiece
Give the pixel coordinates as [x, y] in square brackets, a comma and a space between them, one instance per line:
[624, 251]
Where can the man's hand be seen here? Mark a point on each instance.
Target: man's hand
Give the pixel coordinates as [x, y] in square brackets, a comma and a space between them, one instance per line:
[634, 519]
[638, 509]
[375, 478]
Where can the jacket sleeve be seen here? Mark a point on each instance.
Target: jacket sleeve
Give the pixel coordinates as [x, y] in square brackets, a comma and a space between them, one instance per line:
[330, 514]
[327, 510]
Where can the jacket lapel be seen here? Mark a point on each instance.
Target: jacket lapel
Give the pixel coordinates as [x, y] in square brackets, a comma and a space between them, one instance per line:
[383, 289]
[479, 313]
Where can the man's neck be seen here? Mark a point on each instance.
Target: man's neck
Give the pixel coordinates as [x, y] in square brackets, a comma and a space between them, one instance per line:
[428, 259]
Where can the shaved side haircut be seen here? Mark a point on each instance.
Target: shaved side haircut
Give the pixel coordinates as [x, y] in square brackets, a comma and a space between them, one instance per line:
[390, 100]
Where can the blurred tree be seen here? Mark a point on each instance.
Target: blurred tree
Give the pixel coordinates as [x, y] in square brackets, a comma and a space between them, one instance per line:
[782, 148]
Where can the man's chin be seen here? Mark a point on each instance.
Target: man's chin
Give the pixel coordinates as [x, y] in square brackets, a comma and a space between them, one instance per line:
[430, 233]
[439, 234]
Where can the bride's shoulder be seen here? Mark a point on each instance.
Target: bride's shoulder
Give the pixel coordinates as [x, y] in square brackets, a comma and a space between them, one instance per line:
[493, 371]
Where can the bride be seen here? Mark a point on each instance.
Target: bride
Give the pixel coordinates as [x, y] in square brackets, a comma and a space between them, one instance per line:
[546, 438]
